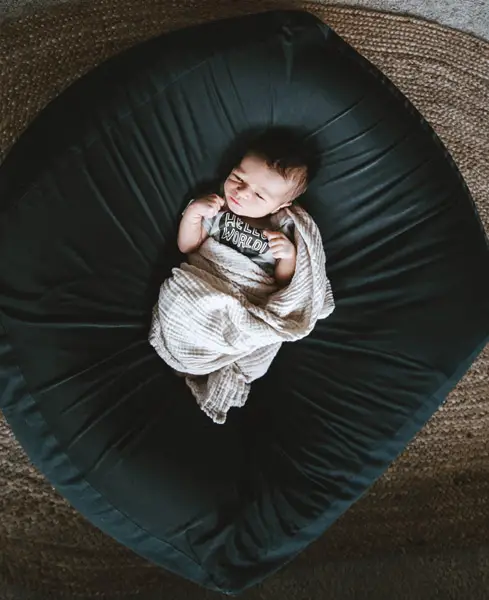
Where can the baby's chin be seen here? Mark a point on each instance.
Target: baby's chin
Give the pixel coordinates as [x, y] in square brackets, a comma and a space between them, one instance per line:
[233, 207]
[238, 210]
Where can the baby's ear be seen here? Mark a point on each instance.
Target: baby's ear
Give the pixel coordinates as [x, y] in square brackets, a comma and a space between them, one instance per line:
[284, 205]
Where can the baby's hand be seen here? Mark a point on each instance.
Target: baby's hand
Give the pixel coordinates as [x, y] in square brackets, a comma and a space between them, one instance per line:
[207, 206]
[280, 245]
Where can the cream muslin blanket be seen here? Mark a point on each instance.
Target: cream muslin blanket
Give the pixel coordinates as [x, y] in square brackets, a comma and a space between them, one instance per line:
[220, 319]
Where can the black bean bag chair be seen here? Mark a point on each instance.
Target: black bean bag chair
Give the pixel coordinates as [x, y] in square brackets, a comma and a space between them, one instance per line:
[91, 197]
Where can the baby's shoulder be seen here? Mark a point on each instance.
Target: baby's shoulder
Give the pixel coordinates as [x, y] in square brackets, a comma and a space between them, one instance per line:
[282, 221]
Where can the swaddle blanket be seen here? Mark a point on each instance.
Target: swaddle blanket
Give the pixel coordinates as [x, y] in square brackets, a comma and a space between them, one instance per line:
[220, 319]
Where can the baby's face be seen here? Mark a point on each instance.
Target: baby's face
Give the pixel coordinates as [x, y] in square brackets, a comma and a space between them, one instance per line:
[254, 190]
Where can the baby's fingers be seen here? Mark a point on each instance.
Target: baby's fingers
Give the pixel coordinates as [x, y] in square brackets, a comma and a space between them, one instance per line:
[215, 204]
[210, 211]
[217, 200]
[276, 247]
[277, 243]
[273, 235]
[279, 253]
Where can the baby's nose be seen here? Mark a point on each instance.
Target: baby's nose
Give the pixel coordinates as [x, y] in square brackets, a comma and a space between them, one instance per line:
[243, 189]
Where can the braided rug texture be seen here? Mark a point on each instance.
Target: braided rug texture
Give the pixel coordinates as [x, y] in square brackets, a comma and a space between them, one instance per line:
[436, 495]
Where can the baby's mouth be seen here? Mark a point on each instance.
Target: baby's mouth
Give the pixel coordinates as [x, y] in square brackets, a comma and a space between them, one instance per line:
[234, 201]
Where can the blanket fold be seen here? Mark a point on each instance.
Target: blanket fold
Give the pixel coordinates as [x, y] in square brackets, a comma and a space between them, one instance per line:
[220, 319]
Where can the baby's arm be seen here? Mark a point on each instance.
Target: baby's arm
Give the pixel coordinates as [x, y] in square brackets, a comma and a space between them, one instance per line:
[286, 254]
[191, 234]
[284, 271]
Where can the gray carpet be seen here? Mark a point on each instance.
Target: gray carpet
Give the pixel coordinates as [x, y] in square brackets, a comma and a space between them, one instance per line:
[468, 15]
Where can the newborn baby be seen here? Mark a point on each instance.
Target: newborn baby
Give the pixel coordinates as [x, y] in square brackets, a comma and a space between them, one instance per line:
[249, 214]
[220, 319]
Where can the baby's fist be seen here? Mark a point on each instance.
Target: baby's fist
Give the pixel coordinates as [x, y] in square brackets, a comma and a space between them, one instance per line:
[280, 245]
[207, 207]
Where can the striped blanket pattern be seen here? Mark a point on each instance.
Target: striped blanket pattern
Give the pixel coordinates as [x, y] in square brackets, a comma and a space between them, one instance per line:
[220, 319]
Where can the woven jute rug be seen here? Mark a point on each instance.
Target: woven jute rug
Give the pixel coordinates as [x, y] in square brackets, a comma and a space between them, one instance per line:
[436, 495]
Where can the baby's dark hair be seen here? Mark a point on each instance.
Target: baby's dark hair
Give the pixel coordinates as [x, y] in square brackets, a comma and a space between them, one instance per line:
[283, 151]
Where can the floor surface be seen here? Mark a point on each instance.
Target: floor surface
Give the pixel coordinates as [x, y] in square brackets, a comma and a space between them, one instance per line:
[468, 15]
